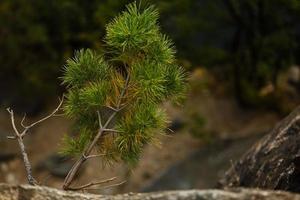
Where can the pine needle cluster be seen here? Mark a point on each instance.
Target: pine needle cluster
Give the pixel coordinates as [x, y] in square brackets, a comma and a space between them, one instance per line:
[139, 61]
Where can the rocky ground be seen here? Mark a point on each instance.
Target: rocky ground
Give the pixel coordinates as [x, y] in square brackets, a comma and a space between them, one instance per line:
[25, 192]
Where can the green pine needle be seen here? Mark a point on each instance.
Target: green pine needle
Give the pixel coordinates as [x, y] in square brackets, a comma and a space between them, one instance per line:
[85, 67]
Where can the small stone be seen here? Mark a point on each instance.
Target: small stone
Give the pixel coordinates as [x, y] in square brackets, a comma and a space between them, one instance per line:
[10, 178]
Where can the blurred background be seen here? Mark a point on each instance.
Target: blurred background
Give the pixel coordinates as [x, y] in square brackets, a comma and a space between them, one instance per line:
[242, 57]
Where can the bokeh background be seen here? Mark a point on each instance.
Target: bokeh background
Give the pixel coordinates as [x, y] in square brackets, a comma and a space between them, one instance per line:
[242, 57]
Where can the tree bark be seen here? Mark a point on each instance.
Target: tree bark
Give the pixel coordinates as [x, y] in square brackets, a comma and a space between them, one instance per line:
[273, 162]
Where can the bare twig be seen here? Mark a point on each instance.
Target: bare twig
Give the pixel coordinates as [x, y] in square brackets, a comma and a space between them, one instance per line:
[96, 156]
[103, 128]
[111, 130]
[12, 118]
[112, 108]
[11, 137]
[117, 109]
[99, 119]
[22, 122]
[19, 137]
[92, 184]
[26, 128]
[58, 115]
[113, 185]
[107, 186]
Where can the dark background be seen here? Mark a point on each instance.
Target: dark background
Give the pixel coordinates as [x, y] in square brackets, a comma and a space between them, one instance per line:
[247, 44]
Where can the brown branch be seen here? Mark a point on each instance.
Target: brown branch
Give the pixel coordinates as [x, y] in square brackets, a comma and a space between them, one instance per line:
[19, 137]
[22, 122]
[91, 184]
[12, 118]
[99, 119]
[95, 156]
[116, 109]
[107, 186]
[11, 137]
[111, 130]
[41, 120]
[113, 185]
[103, 128]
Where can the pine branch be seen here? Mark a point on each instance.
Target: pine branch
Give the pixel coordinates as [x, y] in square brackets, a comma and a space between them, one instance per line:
[69, 178]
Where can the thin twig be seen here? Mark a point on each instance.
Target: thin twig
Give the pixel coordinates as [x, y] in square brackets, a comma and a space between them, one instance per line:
[11, 112]
[112, 108]
[92, 184]
[22, 122]
[107, 186]
[99, 119]
[117, 109]
[111, 130]
[113, 185]
[95, 156]
[58, 115]
[43, 119]
[11, 137]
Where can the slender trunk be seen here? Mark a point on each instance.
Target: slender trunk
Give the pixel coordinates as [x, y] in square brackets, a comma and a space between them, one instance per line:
[30, 178]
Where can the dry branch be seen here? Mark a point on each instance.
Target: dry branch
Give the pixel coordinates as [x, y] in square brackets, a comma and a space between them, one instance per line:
[92, 184]
[20, 135]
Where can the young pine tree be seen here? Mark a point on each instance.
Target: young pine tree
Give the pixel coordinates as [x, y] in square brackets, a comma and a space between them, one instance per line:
[115, 97]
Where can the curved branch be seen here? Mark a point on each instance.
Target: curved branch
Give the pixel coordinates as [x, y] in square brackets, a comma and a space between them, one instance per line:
[92, 184]
[41, 120]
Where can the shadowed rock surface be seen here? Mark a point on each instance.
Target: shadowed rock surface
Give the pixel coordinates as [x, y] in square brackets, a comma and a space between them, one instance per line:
[26, 192]
[203, 168]
[273, 162]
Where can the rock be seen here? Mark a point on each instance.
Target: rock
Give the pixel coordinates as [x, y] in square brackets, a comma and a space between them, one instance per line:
[203, 168]
[273, 162]
[26, 192]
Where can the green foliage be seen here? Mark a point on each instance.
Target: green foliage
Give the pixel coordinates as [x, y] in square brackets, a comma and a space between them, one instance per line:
[75, 146]
[86, 66]
[150, 80]
[139, 128]
[257, 39]
[133, 30]
[174, 78]
[141, 66]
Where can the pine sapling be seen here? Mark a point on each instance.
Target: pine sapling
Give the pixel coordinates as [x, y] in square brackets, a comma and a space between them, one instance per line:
[114, 97]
